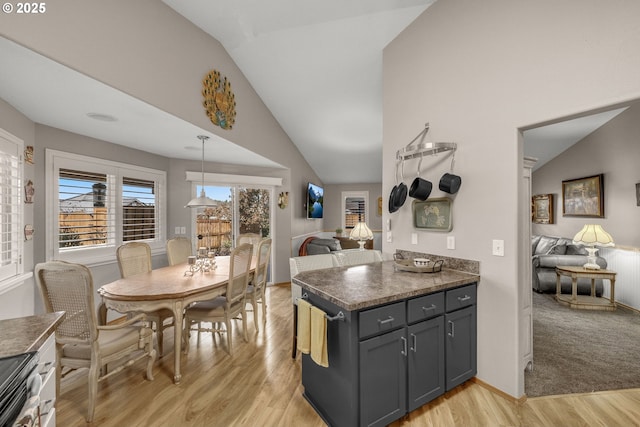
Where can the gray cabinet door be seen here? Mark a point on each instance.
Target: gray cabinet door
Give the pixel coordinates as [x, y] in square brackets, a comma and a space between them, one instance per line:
[461, 343]
[426, 361]
[383, 378]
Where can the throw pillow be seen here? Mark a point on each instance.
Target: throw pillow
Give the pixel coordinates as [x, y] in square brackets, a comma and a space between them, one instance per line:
[576, 250]
[558, 250]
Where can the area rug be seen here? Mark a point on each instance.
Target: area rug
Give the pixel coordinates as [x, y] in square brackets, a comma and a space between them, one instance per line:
[582, 351]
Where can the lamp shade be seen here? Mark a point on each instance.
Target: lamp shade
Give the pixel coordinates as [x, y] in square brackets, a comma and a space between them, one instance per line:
[202, 201]
[593, 235]
[361, 232]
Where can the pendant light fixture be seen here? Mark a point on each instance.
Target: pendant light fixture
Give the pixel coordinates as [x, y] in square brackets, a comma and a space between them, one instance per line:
[203, 200]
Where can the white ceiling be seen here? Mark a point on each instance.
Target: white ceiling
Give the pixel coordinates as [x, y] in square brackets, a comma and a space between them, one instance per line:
[316, 65]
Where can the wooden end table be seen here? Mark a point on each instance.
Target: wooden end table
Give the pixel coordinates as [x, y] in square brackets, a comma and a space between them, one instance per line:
[586, 302]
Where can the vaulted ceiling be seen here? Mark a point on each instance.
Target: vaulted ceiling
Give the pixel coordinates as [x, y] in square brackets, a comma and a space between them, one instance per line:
[316, 65]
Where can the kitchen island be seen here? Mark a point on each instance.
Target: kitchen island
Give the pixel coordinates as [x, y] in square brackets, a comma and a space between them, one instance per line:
[403, 339]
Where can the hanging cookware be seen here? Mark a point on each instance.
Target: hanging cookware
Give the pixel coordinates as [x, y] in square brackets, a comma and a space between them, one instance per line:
[392, 207]
[450, 183]
[401, 191]
[420, 188]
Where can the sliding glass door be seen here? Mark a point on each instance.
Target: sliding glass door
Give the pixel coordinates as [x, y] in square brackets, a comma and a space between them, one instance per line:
[240, 210]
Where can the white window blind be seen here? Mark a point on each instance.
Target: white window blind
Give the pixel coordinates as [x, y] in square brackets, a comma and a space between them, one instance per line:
[138, 209]
[85, 218]
[354, 208]
[10, 205]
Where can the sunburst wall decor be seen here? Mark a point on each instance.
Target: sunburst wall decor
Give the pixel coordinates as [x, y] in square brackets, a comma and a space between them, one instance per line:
[219, 100]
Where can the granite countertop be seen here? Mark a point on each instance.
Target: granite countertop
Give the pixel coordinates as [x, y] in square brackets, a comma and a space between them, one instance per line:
[25, 334]
[368, 285]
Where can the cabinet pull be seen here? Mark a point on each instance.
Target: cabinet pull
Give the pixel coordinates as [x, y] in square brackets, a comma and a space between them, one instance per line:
[452, 328]
[464, 298]
[404, 346]
[433, 307]
[389, 320]
[414, 346]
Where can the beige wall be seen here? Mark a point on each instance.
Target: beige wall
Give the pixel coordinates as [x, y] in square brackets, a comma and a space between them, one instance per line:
[478, 72]
[611, 150]
[148, 51]
[333, 205]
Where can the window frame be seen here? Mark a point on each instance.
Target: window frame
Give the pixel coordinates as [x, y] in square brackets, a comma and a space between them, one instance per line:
[15, 146]
[353, 194]
[55, 160]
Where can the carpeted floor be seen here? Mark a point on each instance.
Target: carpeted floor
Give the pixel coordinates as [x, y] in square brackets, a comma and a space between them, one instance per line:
[582, 351]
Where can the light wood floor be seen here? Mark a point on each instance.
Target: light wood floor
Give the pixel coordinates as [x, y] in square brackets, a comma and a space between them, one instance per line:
[260, 386]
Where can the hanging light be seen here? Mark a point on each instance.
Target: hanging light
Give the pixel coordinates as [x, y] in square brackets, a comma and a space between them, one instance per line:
[203, 200]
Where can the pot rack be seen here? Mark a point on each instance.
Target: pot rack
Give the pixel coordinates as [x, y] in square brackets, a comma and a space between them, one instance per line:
[424, 148]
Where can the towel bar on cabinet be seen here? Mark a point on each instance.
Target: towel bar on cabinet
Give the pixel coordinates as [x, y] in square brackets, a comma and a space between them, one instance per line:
[339, 316]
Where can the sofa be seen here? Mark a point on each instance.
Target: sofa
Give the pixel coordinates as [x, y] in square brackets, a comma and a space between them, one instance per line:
[318, 246]
[549, 252]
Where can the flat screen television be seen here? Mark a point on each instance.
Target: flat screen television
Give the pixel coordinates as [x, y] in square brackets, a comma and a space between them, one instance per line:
[315, 201]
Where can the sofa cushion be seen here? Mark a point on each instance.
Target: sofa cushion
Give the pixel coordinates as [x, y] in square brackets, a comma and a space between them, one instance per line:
[545, 244]
[332, 244]
[576, 250]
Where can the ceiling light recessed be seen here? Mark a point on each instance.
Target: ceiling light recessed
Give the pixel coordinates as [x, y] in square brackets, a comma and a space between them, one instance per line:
[102, 117]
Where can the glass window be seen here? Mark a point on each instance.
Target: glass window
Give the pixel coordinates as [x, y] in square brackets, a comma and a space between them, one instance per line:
[97, 205]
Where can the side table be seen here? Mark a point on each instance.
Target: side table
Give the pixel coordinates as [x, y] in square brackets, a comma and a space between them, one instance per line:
[586, 302]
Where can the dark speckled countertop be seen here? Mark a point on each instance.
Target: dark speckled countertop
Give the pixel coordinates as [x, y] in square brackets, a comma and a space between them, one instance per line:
[25, 334]
[368, 285]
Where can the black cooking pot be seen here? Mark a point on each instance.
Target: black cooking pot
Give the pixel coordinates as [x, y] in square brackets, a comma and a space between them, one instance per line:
[450, 183]
[420, 189]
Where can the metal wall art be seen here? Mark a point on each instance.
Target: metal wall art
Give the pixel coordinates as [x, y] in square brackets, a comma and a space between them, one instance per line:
[219, 100]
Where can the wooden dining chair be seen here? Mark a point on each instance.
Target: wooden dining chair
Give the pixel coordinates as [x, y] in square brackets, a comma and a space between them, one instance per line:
[178, 250]
[80, 341]
[252, 238]
[226, 307]
[258, 282]
[135, 258]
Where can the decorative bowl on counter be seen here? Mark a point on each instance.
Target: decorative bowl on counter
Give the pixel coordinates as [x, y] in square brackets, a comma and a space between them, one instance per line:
[419, 266]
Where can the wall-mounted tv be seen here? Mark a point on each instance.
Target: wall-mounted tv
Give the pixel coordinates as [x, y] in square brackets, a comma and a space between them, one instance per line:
[315, 201]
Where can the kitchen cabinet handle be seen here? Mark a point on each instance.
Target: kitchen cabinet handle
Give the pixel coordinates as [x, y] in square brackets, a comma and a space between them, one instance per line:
[452, 328]
[389, 320]
[464, 298]
[404, 346]
[414, 347]
[433, 307]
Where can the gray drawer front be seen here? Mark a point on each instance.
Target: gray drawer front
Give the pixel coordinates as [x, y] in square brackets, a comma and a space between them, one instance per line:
[425, 307]
[461, 297]
[381, 319]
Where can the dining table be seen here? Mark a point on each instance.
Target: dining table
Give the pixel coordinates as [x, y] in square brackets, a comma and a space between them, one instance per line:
[174, 287]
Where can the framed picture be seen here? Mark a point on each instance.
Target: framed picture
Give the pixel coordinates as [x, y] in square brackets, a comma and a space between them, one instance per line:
[583, 197]
[542, 209]
[432, 214]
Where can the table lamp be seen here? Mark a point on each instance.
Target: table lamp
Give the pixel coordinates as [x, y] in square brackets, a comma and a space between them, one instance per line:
[590, 236]
[361, 233]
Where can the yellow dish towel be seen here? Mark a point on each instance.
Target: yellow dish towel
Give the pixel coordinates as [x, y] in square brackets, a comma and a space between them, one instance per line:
[304, 326]
[319, 352]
